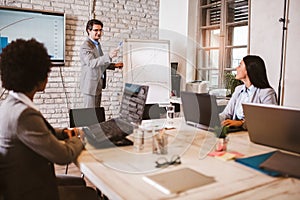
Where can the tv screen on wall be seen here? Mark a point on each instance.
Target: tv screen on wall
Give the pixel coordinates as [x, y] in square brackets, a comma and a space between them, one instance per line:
[46, 27]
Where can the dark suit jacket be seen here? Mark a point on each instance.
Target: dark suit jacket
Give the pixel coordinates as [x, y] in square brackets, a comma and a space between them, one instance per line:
[28, 148]
[93, 65]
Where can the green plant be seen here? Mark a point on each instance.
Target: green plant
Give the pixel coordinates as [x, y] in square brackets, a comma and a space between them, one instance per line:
[221, 131]
[231, 82]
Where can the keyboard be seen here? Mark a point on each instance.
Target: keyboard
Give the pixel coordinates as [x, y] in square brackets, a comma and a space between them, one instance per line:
[109, 133]
[116, 127]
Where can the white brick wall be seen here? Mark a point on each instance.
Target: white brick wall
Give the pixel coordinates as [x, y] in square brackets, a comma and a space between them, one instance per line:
[137, 19]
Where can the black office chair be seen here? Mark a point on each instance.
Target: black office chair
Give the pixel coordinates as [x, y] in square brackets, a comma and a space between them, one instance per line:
[153, 111]
[86, 116]
[80, 117]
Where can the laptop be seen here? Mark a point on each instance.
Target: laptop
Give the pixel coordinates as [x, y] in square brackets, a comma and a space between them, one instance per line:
[114, 131]
[200, 110]
[273, 125]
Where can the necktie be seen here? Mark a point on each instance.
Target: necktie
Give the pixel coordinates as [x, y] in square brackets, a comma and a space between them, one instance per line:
[103, 76]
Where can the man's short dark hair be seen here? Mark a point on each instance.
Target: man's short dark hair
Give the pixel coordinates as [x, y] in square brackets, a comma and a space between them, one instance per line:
[90, 24]
[24, 64]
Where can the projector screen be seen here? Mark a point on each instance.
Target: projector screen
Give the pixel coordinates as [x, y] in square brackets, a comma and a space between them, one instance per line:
[46, 27]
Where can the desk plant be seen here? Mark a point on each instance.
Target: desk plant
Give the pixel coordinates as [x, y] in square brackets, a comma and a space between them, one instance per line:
[231, 82]
[221, 132]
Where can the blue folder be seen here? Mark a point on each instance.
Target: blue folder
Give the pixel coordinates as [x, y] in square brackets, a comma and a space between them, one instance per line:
[255, 161]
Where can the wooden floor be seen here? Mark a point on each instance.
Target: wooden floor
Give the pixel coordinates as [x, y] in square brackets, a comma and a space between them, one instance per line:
[72, 170]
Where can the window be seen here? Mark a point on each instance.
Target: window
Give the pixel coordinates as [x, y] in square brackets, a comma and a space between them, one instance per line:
[223, 38]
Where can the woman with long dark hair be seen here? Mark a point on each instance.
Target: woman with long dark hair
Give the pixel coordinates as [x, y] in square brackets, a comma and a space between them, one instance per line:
[256, 89]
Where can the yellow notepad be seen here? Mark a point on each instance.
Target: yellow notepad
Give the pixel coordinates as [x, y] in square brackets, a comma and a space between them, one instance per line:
[178, 180]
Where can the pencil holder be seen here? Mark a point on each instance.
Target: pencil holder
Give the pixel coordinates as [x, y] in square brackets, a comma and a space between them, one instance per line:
[138, 139]
[159, 142]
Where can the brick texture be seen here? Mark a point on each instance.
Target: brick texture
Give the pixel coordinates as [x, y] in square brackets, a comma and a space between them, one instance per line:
[135, 19]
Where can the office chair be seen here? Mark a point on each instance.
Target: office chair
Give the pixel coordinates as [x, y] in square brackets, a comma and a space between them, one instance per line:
[86, 116]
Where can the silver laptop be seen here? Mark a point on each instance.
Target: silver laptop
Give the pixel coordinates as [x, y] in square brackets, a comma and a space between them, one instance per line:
[200, 110]
[274, 126]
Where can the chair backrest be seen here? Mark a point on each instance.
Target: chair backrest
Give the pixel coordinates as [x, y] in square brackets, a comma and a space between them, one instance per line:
[86, 116]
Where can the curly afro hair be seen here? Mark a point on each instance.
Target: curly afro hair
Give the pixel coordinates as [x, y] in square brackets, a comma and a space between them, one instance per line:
[24, 64]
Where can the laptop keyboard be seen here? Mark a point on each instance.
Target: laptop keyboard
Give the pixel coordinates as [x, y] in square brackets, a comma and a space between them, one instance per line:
[116, 127]
[114, 130]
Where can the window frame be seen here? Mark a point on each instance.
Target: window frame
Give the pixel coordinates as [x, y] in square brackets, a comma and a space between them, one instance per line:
[225, 48]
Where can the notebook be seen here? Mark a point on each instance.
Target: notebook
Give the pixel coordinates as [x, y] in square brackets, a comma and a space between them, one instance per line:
[274, 126]
[114, 131]
[178, 180]
[255, 162]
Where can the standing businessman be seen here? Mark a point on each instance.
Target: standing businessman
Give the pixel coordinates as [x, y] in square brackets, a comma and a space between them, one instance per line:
[94, 64]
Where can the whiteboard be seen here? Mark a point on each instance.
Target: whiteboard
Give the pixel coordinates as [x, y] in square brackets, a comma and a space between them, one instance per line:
[147, 62]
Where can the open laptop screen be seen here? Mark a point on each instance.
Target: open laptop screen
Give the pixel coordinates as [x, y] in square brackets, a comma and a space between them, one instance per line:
[200, 110]
[133, 102]
[272, 125]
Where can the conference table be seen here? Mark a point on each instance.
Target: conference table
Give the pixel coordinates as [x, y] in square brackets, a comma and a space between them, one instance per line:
[119, 171]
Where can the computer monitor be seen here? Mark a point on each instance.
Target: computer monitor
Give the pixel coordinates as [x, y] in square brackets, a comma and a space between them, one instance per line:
[46, 27]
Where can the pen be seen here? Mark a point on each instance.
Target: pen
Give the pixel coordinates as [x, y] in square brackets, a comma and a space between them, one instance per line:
[120, 45]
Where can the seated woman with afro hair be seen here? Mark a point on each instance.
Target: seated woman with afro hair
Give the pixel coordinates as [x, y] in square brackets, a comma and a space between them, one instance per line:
[29, 145]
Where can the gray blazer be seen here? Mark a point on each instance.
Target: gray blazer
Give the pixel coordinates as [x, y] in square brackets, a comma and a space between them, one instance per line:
[29, 146]
[93, 65]
[264, 96]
